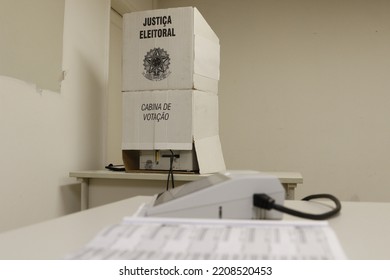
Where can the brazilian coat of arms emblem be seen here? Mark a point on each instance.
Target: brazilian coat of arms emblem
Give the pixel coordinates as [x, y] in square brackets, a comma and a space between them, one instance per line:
[156, 64]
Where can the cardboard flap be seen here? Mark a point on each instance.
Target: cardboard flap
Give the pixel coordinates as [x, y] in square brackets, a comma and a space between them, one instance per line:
[206, 57]
[130, 159]
[205, 115]
[209, 154]
[208, 84]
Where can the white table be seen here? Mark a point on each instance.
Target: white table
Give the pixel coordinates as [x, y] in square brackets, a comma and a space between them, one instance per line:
[99, 187]
[363, 229]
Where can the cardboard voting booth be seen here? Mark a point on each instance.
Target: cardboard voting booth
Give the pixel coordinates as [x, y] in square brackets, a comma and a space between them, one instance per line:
[170, 92]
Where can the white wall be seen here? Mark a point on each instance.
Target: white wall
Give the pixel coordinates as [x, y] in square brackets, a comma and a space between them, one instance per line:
[305, 87]
[31, 41]
[45, 134]
[114, 101]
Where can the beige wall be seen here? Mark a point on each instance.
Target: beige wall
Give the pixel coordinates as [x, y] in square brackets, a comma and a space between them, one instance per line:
[114, 100]
[48, 131]
[31, 41]
[46, 134]
[305, 87]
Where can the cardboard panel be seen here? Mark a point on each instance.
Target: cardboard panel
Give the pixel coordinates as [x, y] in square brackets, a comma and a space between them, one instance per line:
[210, 156]
[159, 51]
[205, 111]
[162, 120]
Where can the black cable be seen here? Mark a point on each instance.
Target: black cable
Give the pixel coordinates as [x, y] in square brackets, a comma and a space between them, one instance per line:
[170, 172]
[266, 202]
[171, 168]
[169, 175]
[113, 167]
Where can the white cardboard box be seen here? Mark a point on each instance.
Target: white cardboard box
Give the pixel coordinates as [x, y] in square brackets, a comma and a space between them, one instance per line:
[169, 49]
[173, 120]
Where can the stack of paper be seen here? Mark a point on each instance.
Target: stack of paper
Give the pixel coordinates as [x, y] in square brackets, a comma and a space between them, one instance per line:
[149, 238]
